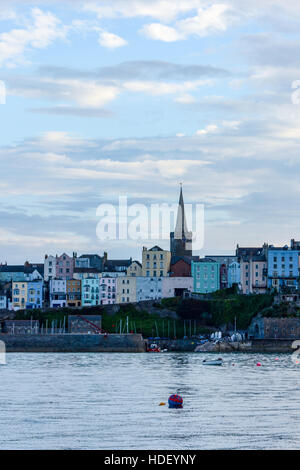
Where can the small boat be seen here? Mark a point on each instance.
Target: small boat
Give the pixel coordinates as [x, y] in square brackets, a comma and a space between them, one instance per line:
[154, 348]
[213, 362]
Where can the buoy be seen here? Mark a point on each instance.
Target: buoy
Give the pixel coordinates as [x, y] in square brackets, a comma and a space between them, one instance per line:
[161, 404]
[175, 401]
[258, 364]
[277, 359]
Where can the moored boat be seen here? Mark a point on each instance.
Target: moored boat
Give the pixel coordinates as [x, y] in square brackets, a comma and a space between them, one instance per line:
[213, 362]
[154, 348]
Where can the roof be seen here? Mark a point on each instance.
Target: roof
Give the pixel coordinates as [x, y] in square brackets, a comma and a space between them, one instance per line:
[156, 248]
[247, 259]
[28, 269]
[5, 268]
[91, 256]
[112, 264]
[86, 270]
[137, 262]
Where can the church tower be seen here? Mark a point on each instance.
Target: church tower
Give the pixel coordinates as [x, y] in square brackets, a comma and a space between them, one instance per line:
[181, 238]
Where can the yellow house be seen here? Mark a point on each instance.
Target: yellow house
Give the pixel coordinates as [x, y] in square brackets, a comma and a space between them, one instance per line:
[135, 269]
[156, 262]
[126, 289]
[19, 294]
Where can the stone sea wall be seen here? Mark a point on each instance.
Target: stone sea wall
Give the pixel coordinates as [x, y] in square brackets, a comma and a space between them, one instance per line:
[74, 343]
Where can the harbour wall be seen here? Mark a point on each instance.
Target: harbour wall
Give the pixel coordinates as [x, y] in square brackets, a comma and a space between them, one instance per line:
[74, 343]
[133, 343]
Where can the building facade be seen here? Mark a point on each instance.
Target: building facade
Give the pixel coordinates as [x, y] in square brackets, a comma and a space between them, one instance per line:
[19, 295]
[64, 266]
[206, 276]
[3, 301]
[108, 290]
[126, 289]
[135, 269]
[234, 274]
[49, 267]
[73, 293]
[253, 271]
[35, 294]
[58, 293]
[283, 268]
[176, 286]
[180, 266]
[90, 292]
[155, 262]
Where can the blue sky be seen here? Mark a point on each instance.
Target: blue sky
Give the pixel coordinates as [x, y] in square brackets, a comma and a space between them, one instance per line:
[107, 98]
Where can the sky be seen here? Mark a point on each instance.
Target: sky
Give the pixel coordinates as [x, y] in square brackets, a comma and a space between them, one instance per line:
[131, 98]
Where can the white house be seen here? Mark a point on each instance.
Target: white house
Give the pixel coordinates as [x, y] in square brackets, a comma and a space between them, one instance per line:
[175, 286]
[58, 293]
[49, 267]
[3, 301]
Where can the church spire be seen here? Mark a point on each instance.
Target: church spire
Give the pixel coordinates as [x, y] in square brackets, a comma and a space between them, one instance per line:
[181, 239]
[181, 227]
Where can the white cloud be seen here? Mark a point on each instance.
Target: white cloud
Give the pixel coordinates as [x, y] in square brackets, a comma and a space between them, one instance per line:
[185, 98]
[164, 88]
[84, 92]
[12, 238]
[165, 10]
[209, 20]
[161, 32]
[40, 33]
[231, 124]
[110, 40]
[210, 128]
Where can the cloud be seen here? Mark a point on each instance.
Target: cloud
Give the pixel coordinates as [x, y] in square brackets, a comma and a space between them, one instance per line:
[138, 69]
[209, 129]
[185, 98]
[89, 92]
[73, 111]
[210, 20]
[44, 29]
[161, 32]
[86, 93]
[110, 40]
[164, 88]
[165, 10]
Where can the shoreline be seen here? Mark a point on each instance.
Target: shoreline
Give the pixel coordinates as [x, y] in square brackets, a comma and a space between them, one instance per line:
[135, 343]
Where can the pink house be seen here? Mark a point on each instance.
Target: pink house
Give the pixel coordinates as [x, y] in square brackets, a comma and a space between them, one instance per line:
[64, 266]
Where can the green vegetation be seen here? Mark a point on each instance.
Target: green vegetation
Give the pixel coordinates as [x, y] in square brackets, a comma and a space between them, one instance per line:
[220, 309]
[195, 316]
[139, 321]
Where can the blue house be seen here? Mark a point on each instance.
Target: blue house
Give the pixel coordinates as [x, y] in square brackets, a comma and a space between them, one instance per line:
[283, 267]
[34, 294]
[206, 276]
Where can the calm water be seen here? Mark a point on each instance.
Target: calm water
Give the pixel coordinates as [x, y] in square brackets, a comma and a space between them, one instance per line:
[110, 401]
